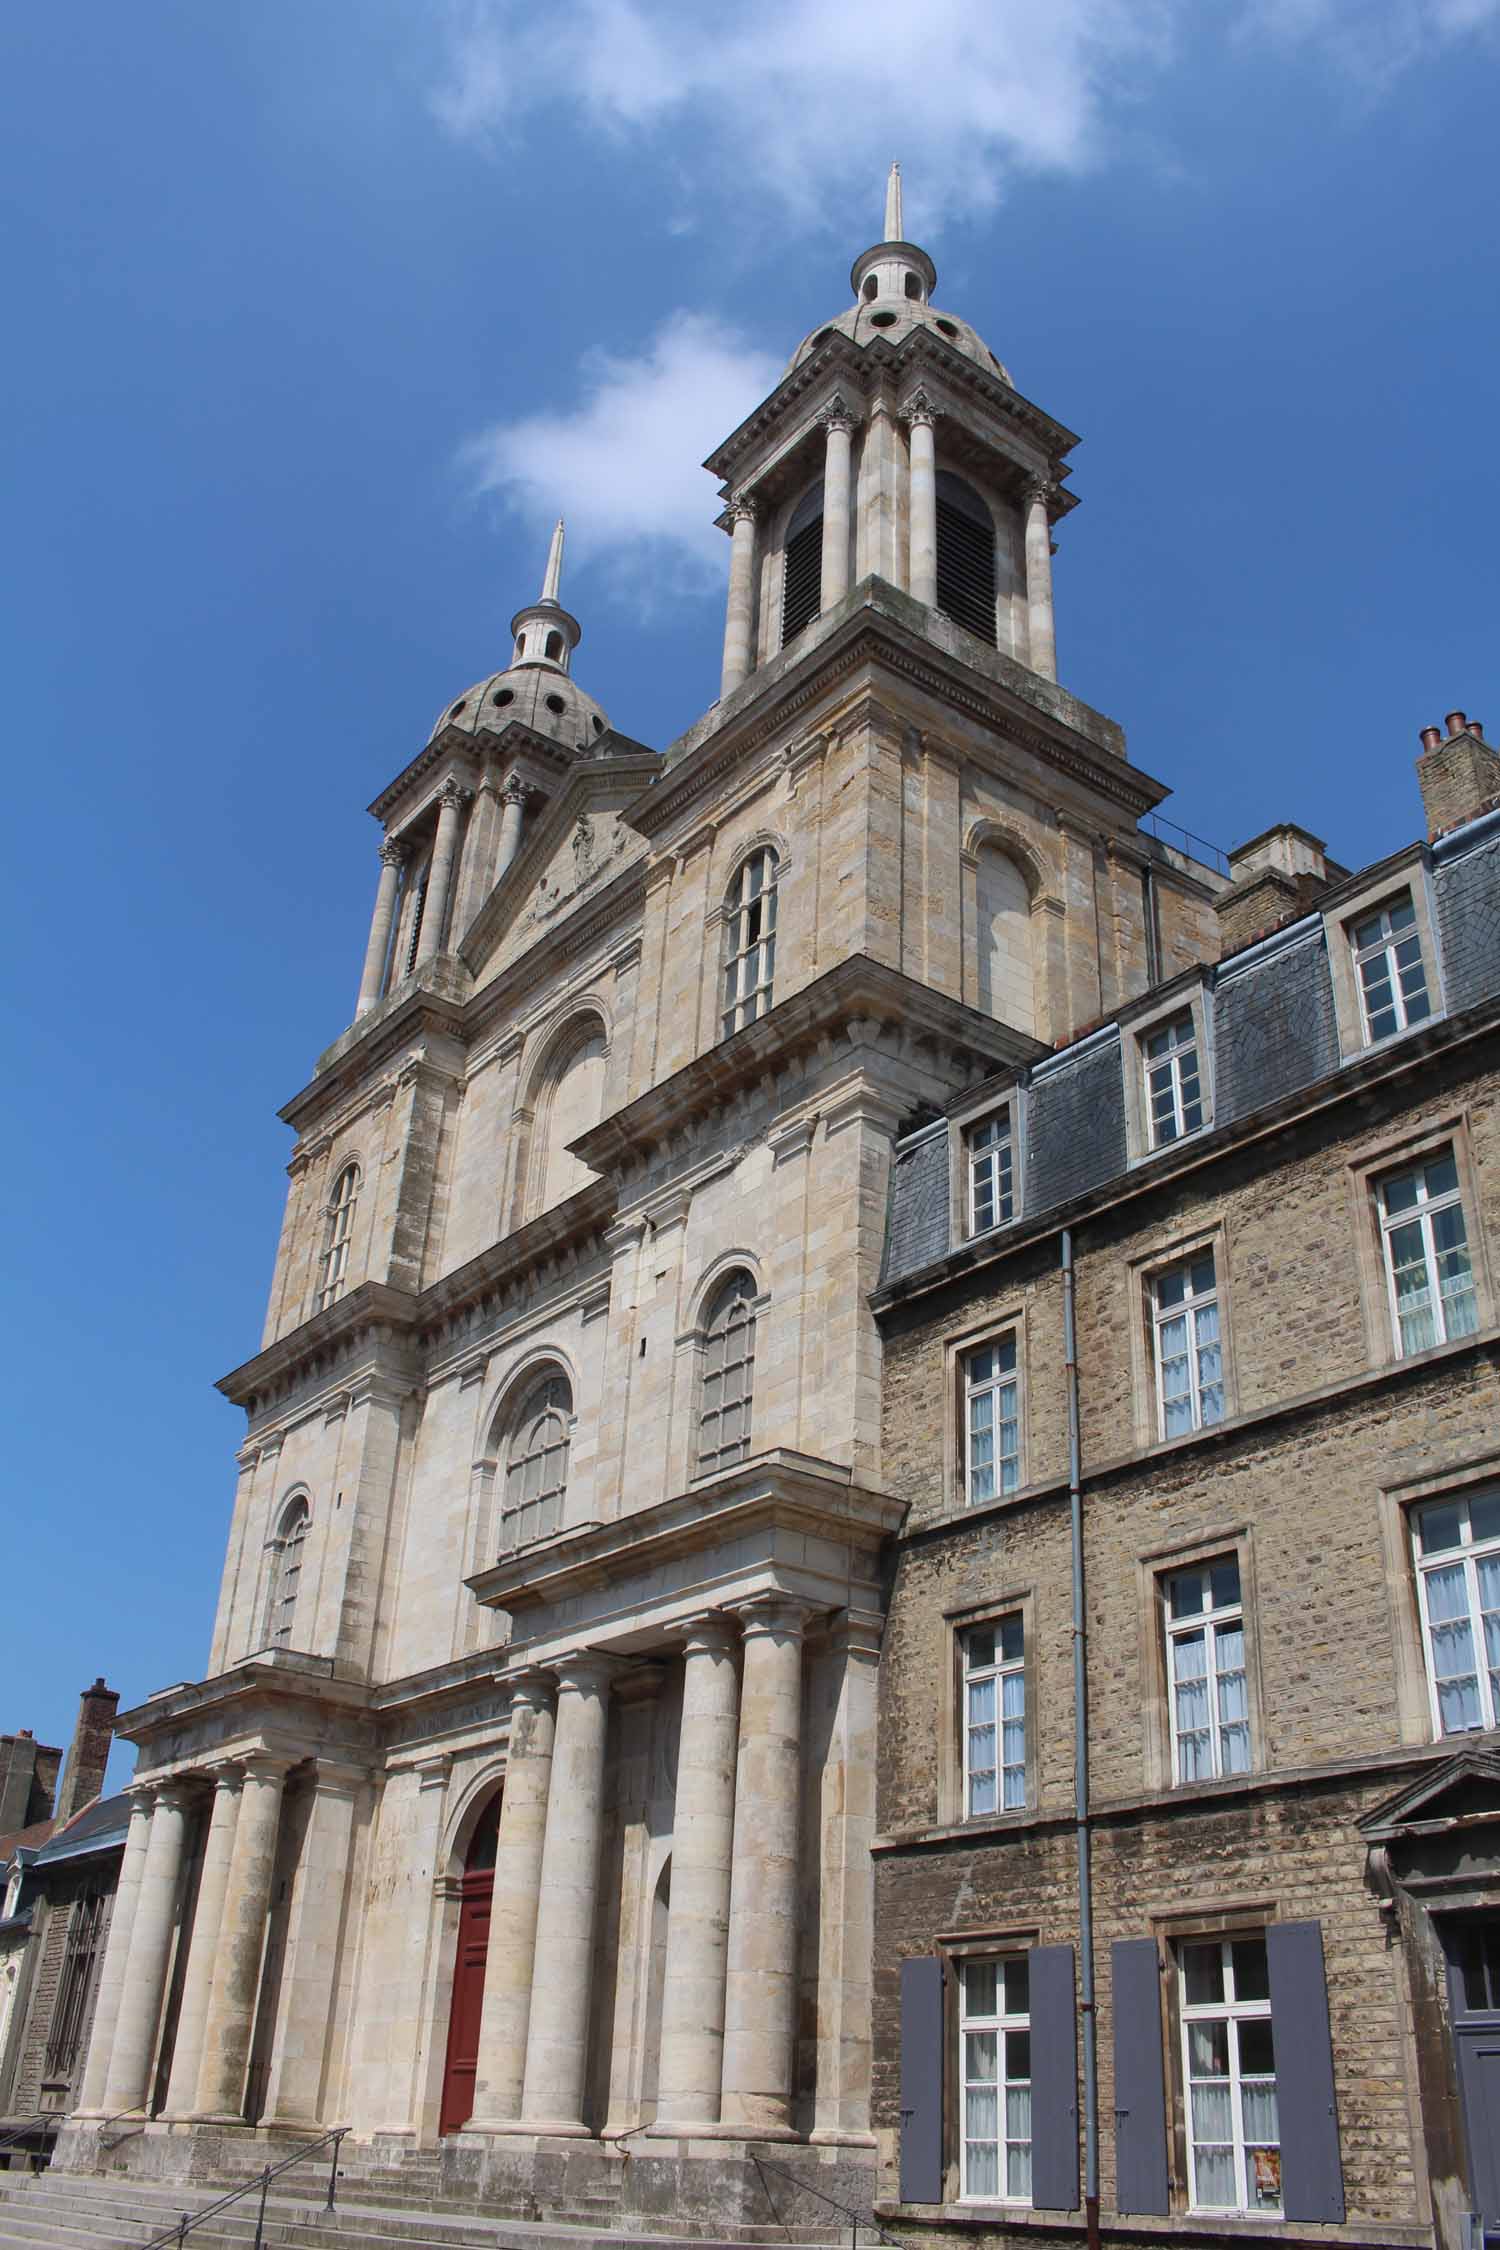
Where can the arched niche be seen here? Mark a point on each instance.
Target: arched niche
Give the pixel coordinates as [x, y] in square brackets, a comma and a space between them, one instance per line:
[1005, 965]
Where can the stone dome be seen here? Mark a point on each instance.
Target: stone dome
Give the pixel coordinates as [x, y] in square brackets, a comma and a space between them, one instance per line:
[542, 696]
[893, 319]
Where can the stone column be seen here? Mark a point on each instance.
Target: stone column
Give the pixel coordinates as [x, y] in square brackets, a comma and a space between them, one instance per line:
[512, 805]
[372, 980]
[309, 1977]
[440, 876]
[128, 2085]
[230, 2021]
[1041, 638]
[499, 2079]
[692, 2017]
[761, 2016]
[919, 414]
[838, 425]
[557, 2033]
[203, 1944]
[740, 618]
[846, 1927]
[116, 1956]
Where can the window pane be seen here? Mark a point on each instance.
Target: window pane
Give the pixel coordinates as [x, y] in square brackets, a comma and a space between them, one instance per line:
[1018, 1988]
[1185, 1592]
[1252, 1976]
[1440, 1527]
[982, 2168]
[979, 1646]
[1213, 2177]
[1012, 1637]
[1257, 2059]
[1203, 1979]
[981, 2051]
[1484, 1516]
[979, 1987]
[1224, 1579]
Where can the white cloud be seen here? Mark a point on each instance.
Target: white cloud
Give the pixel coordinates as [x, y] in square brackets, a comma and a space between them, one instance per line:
[1371, 41]
[810, 100]
[622, 465]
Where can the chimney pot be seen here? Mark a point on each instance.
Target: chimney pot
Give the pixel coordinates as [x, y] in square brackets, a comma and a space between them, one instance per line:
[1431, 737]
[1455, 722]
[1476, 729]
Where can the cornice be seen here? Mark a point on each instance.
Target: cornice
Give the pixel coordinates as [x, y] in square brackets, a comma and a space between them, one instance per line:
[859, 997]
[817, 1497]
[514, 739]
[271, 1675]
[369, 1316]
[877, 623]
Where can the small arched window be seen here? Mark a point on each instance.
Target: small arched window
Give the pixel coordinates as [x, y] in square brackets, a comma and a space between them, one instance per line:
[290, 1541]
[802, 581]
[750, 940]
[536, 1462]
[338, 1229]
[728, 1387]
[554, 646]
[965, 557]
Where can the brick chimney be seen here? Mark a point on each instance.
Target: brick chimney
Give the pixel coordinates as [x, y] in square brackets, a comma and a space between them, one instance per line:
[28, 1777]
[1274, 878]
[1459, 774]
[89, 1754]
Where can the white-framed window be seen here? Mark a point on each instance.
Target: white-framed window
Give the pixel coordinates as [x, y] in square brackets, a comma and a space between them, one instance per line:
[1387, 947]
[1425, 1245]
[1174, 1082]
[1457, 1544]
[1187, 1346]
[994, 1664]
[536, 1462]
[291, 1540]
[992, 1420]
[750, 940]
[994, 2041]
[727, 1388]
[1229, 2071]
[990, 1155]
[1207, 1686]
[338, 1230]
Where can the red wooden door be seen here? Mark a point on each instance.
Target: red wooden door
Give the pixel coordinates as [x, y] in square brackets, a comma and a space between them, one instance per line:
[468, 1975]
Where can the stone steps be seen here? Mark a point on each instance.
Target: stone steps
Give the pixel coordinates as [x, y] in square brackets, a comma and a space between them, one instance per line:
[88, 2212]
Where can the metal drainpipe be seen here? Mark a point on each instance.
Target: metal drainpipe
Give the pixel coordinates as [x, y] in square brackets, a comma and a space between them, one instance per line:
[1153, 927]
[1081, 1763]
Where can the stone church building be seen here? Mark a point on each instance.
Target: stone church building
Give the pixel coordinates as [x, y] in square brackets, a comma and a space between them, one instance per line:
[527, 1806]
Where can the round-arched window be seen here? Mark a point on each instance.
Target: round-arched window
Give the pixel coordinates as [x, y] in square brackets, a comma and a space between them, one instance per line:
[727, 1391]
[536, 1462]
[291, 1539]
[338, 1230]
[750, 940]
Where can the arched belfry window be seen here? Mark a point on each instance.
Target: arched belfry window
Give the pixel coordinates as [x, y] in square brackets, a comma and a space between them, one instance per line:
[338, 1230]
[727, 1390]
[750, 940]
[289, 1543]
[802, 577]
[536, 1461]
[1002, 900]
[965, 557]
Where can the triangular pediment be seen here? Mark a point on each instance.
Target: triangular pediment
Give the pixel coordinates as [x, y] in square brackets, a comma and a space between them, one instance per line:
[578, 848]
[1463, 1790]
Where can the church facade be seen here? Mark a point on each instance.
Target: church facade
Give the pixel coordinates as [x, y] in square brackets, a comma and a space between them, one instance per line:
[527, 1801]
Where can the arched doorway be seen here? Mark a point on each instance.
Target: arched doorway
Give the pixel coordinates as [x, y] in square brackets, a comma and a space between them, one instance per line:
[467, 2006]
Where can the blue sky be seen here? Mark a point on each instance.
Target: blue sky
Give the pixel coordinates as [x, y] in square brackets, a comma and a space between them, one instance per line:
[318, 313]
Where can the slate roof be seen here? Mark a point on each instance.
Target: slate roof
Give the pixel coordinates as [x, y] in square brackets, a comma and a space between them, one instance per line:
[98, 1827]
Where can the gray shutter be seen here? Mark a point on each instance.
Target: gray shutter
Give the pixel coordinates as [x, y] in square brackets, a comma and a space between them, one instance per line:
[922, 2080]
[1054, 2079]
[1312, 2180]
[1140, 2094]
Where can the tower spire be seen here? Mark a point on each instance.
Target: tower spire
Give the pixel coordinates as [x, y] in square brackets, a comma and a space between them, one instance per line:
[893, 206]
[552, 583]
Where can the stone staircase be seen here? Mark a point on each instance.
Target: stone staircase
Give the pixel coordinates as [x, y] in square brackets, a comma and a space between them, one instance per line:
[396, 2207]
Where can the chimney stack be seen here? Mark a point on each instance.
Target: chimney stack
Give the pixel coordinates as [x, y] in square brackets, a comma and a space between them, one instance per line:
[1459, 774]
[1273, 879]
[89, 1755]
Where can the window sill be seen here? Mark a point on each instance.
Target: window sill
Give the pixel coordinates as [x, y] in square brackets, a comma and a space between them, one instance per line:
[1394, 1038]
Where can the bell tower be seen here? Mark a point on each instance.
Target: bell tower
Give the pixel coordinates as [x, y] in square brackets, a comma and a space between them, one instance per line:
[896, 447]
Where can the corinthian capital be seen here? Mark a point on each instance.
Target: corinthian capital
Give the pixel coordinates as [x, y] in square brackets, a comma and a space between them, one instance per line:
[392, 853]
[742, 509]
[1043, 489]
[453, 795]
[919, 408]
[838, 414]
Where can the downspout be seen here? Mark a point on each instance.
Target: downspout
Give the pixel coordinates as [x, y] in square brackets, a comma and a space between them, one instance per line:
[1081, 1763]
[1151, 913]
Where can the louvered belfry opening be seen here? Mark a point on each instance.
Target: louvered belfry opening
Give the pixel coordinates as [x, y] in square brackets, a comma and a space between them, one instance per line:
[965, 557]
[802, 584]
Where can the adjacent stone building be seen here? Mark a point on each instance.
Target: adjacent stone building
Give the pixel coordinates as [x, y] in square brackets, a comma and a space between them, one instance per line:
[527, 1804]
[1211, 1287]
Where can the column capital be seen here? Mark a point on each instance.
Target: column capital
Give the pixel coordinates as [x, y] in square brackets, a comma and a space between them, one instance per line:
[142, 1794]
[338, 1775]
[711, 1629]
[393, 852]
[856, 1632]
[453, 795]
[531, 1690]
[774, 1612]
[742, 508]
[225, 1773]
[266, 1765]
[586, 1671]
[838, 414]
[919, 409]
[1043, 489]
[514, 791]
